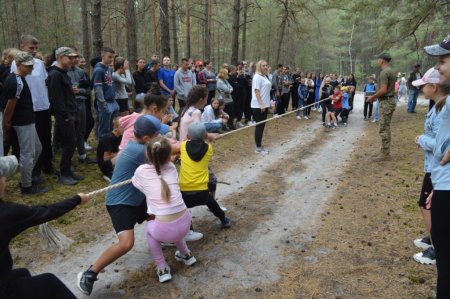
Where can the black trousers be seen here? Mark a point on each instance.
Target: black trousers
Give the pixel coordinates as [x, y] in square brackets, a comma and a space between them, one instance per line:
[258, 116]
[294, 94]
[90, 122]
[44, 131]
[67, 128]
[247, 101]
[229, 109]
[440, 233]
[201, 198]
[44, 286]
[368, 106]
[211, 94]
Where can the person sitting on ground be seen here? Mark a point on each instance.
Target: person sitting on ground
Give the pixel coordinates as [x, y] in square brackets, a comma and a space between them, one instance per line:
[171, 119]
[345, 104]
[213, 116]
[194, 172]
[427, 142]
[158, 180]
[107, 150]
[302, 97]
[336, 102]
[16, 218]
[125, 205]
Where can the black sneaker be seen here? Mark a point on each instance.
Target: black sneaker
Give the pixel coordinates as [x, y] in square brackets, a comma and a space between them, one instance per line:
[36, 180]
[226, 223]
[87, 160]
[67, 180]
[85, 281]
[76, 177]
[32, 190]
[423, 243]
[426, 257]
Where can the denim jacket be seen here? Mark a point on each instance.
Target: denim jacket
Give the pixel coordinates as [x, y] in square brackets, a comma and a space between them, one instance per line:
[427, 140]
[302, 92]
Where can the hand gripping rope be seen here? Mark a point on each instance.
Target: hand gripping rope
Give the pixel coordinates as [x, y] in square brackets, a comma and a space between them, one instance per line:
[51, 239]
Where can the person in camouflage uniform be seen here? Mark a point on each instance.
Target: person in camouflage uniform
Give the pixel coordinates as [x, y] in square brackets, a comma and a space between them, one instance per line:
[385, 94]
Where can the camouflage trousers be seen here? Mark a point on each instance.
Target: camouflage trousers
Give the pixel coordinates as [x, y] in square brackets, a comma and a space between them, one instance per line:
[387, 108]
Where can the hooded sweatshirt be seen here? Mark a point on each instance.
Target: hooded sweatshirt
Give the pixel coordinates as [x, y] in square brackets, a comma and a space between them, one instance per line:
[195, 157]
[184, 81]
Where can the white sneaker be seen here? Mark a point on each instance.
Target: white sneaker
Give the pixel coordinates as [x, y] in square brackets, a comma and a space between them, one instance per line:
[107, 179]
[306, 117]
[223, 208]
[87, 146]
[426, 257]
[375, 120]
[275, 115]
[193, 236]
[261, 150]
[188, 259]
[313, 109]
[164, 274]
[423, 243]
[298, 117]
[239, 125]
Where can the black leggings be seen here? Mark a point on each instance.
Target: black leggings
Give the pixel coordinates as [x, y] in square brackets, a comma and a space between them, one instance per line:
[440, 233]
[201, 198]
[258, 116]
[46, 286]
[370, 106]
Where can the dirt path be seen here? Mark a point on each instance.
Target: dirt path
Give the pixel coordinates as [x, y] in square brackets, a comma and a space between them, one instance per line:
[275, 203]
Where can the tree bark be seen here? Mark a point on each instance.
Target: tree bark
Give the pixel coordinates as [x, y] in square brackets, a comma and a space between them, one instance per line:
[15, 26]
[97, 40]
[282, 29]
[86, 36]
[164, 26]
[131, 30]
[173, 18]
[244, 30]
[207, 29]
[235, 32]
[154, 25]
[188, 28]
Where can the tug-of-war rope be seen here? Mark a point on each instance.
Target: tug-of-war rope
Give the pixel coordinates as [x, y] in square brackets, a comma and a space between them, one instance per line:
[52, 239]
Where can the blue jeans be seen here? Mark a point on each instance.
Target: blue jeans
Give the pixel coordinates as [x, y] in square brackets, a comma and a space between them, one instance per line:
[213, 127]
[106, 113]
[301, 102]
[413, 94]
[376, 107]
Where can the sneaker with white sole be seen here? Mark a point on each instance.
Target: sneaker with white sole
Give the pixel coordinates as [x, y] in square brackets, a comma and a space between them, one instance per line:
[85, 281]
[306, 117]
[426, 257]
[188, 259]
[298, 117]
[193, 236]
[423, 243]
[163, 274]
[261, 150]
[226, 223]
[87, 146]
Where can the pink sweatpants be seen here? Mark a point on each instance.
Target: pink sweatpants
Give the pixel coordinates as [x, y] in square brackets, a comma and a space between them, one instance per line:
[168, 232]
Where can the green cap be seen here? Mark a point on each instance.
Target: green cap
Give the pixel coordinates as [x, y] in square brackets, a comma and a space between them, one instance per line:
[386, 56]
[24, 58]
[65, 51]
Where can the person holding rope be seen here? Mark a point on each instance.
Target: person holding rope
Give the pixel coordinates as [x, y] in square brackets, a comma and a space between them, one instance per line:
[158, 180]
[126, 205]
[260, 103]
[16, 218]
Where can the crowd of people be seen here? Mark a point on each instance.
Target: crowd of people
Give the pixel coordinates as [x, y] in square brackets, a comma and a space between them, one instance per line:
[162, 114]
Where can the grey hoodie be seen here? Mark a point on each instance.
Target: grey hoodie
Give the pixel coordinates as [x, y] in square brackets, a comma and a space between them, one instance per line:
[184, 81]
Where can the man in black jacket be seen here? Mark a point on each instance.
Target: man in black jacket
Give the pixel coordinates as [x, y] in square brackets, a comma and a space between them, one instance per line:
[413, 91]
[14, 219]
[64, 108]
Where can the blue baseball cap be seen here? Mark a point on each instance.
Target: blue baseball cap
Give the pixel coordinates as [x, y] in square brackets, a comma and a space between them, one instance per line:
[147, 125]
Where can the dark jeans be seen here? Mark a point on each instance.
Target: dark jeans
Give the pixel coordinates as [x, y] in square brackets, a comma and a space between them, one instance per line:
[440, 233]
[229, 109]
[181, 103]
[43, 286]
[81, 128]
[294, 94]
[323, 105]
[211, 94]
[106, 167]
[247, 101]
[67, 129]
[344, 115]
[201, 198]
[370, 106]
[44, 131]
[258, 116]
[90, 122]
[309, 101]
[283, 103]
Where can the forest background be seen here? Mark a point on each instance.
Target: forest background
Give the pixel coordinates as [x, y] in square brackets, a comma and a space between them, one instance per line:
[314, 35]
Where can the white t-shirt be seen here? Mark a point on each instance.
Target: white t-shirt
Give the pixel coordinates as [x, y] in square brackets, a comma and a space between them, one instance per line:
[264, 86]
[36, 83]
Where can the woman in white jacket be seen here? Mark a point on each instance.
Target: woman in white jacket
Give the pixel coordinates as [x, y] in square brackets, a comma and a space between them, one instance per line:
[122, 77]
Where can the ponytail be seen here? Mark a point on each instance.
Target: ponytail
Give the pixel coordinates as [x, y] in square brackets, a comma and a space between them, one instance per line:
[158, 152]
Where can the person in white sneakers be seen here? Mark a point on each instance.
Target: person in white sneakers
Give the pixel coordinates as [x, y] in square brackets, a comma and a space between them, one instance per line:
[427, 141]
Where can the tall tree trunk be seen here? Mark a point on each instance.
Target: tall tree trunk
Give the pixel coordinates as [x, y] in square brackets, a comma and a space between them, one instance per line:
[97, 40]
[207, 29]
[350, 49]
[188, 28]
[164, 25]
[154, 28]
[15, 27]
[86, 36]
[282, 30]
[173, 18]
[131, 30]
[244, 30]
[235, 32]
